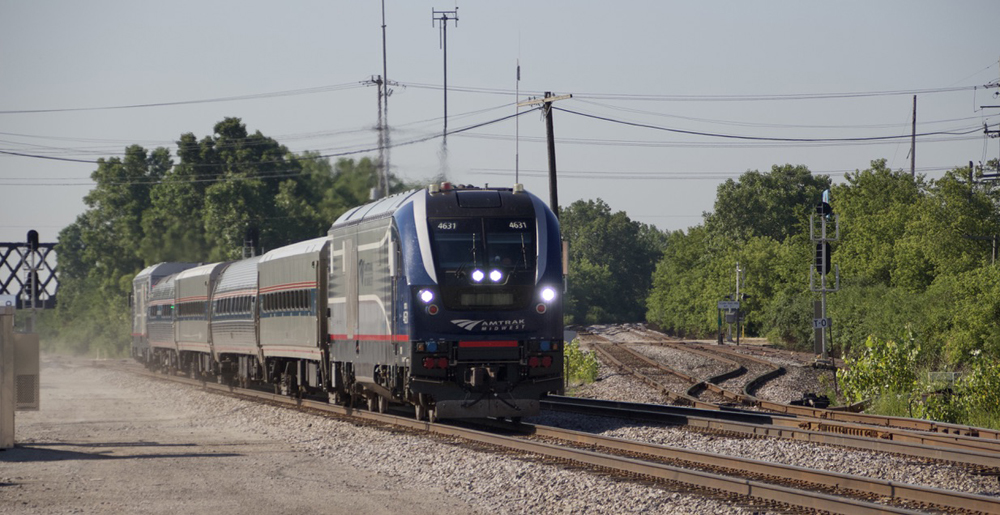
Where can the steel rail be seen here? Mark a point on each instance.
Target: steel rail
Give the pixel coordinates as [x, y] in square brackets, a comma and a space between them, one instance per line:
[778, 427]
[864, 485]
[689, 397]
[754, 489]
[846, 422]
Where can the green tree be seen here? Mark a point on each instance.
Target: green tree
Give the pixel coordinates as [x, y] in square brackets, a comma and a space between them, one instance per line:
[146, 209]
[875, 206]
[97, 255]
[775, 204]
[678, 295]
[611, 263]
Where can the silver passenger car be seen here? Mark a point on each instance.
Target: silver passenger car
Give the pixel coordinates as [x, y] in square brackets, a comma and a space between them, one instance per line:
[292, 296]
[233, 306]
[142, 290]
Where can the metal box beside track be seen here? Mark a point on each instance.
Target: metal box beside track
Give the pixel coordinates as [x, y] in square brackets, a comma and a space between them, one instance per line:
[27, 387]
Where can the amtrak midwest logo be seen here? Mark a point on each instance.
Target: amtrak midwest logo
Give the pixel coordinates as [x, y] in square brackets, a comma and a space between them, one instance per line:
[485, 326]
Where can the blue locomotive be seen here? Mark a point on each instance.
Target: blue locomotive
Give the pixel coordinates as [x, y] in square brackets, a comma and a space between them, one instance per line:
[445, 298]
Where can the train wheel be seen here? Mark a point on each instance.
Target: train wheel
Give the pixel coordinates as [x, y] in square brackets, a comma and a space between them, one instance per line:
[383, 404]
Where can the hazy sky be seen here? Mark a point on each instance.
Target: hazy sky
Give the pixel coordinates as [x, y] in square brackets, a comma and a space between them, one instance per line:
[750, 69]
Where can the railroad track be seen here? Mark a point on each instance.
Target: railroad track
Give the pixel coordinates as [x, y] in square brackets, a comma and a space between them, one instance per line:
[809, 420]
[666, 380]
[749, 482]
[761, 424]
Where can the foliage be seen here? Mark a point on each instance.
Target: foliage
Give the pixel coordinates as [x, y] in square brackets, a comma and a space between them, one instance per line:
[883, 367]
[760, 223]
[611, 261]
[874, 206]
[579, 367]
[775, 204]
[979, 391]
[145, 209]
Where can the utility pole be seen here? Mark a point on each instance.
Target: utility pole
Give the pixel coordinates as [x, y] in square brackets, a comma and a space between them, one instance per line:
[443, 25]
[546, 102]
[913, 142]
[384, 116]
[382, 188]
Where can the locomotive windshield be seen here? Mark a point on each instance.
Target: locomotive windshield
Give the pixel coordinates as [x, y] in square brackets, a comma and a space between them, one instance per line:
[484, 262]
[467, 243]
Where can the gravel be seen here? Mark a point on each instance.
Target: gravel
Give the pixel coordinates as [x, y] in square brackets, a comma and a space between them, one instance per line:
[799, 379]
[802, 454]
[465, 480]
[480, 482]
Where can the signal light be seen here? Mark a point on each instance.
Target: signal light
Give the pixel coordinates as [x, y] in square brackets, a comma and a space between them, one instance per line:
[495, 276]
[432, 309]
[540, 308]
[477, 275]
[548, 294]
[546, 361]
[533, 362]
[442, 362]
[428, 362]
[823, 257]
[426, 296]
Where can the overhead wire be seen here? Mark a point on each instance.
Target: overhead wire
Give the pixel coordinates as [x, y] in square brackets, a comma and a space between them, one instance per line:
[253, 96]
[657, 175]
[701, 98]
[222, 177]
[767, 125]
[761, 138]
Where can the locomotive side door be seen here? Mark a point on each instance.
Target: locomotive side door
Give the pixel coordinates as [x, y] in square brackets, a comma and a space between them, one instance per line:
[351, 275]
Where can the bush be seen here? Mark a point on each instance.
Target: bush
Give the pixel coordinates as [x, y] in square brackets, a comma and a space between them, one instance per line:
[883, 367]
[979, 392]
[579, 367]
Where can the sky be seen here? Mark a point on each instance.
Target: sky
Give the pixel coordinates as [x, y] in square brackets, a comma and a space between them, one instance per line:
[83, 80]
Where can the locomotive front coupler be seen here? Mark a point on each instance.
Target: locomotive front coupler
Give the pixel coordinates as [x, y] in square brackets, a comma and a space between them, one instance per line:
[479, 377]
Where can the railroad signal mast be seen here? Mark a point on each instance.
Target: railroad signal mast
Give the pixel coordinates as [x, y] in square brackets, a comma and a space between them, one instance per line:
[821, 267]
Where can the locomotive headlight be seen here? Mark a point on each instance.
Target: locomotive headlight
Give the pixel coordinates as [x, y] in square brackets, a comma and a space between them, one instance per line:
[426, 296]
[495, 275]
[548, 294]
[477, 275]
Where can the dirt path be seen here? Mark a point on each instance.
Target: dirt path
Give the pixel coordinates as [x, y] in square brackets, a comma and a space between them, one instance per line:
[99, 447]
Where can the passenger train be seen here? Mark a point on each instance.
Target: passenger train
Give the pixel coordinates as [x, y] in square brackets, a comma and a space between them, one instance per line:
[447, 298]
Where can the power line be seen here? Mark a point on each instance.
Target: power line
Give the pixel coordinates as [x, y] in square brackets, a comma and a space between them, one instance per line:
[105, 150]
[774, 125]
[255, 96]
[667, 175]
[301, 157]
[704, 98]
[507, 92]
[764, 138]
[726, 144]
